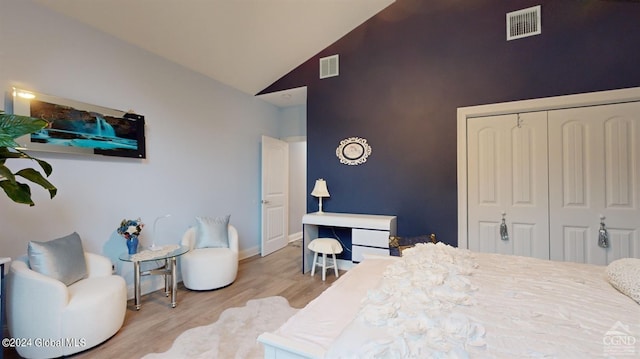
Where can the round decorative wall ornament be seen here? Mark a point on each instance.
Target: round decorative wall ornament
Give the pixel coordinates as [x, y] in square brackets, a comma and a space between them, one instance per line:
[353, 151]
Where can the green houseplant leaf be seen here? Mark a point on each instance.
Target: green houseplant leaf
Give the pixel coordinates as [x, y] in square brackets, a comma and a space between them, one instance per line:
[12, 127]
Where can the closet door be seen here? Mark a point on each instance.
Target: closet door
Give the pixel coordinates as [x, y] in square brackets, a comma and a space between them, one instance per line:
[507, 173]
[594, 168]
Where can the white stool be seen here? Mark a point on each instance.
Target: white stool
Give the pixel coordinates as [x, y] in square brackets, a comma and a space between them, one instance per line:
[325, 246]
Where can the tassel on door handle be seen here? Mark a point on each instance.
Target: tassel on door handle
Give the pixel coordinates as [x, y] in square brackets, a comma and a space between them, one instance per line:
[504, 233]
[603, 235]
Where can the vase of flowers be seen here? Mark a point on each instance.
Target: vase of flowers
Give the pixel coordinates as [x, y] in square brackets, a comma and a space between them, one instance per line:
[130, 229]
[132, 245]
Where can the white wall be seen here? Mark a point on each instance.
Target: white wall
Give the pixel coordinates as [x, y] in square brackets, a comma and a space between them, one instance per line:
[294, 130]
[203, 139]
[297, 187]
[294, 121]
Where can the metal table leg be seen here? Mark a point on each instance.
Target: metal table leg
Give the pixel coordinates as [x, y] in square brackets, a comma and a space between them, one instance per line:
[136, 284]
[174, 283]
[166, 278]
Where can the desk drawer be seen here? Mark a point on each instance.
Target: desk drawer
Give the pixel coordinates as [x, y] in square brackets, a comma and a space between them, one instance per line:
[358, 252]
[369, 237]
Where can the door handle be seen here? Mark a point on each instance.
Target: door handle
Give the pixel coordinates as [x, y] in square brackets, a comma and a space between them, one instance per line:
[264, 201]
[504, 233]
[603, 235]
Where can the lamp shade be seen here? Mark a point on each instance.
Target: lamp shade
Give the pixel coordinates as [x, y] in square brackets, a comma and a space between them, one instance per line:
[320, 189]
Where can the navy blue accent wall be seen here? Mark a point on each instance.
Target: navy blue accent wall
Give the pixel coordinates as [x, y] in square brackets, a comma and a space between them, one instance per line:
[404, 73]
[343, 235]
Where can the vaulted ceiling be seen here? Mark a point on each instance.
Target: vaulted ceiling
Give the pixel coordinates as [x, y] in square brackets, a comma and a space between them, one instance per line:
[245, 44]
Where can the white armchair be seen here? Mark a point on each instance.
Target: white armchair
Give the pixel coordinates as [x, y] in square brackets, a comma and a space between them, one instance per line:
[209, 268]
[65, 320]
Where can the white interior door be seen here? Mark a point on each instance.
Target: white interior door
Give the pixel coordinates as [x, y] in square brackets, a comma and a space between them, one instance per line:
[275, 195]
[595, 169]
[507, 173]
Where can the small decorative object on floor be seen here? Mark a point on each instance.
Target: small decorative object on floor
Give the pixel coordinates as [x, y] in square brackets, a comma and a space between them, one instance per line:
[398, 244]
[130, 229]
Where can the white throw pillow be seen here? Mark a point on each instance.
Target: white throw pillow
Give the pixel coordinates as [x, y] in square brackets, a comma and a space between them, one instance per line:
[624, 275]
[61, 259]
[212, 232]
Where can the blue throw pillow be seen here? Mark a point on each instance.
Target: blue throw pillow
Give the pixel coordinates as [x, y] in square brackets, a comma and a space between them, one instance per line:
[212, 232]
[61, 259]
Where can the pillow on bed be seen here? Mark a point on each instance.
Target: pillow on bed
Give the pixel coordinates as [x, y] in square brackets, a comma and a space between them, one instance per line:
[624, 275]
[212, 232]
[61, 259]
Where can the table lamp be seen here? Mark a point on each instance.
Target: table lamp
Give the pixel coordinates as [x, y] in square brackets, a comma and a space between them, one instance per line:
[320, 190]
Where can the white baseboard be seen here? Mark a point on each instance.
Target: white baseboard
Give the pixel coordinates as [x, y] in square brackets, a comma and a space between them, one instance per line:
[148, 284]
[295, 237]
[155, 283]
[249, 252]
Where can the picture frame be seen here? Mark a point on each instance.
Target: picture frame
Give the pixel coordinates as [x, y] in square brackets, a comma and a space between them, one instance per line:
[79, 128]
[353, 151]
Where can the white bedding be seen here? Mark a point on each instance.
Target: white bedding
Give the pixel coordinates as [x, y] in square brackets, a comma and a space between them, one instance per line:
[326, 316]
[539, 308]
[490, 306]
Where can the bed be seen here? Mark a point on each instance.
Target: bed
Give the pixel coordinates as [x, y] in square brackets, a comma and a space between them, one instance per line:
[444, 302]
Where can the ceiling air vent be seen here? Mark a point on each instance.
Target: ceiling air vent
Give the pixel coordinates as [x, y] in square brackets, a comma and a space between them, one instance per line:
[329, 66]
[523, 23]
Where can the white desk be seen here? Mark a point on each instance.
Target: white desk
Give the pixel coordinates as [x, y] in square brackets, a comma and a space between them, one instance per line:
[369, 233]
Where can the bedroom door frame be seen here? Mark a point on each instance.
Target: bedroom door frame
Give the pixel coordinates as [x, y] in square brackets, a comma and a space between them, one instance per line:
[540, 104]
[275, 195]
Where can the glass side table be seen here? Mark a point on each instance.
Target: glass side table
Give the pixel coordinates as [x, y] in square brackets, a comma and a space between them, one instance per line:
[168, 270]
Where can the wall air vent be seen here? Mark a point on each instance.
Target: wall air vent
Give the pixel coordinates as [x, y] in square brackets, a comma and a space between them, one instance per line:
[329, 66]
[523, 23]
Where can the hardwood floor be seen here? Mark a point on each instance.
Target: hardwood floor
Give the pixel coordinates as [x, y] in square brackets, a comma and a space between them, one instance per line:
[156, 325]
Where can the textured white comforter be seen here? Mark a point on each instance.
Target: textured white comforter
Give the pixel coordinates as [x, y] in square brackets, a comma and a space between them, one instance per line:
[438, 301]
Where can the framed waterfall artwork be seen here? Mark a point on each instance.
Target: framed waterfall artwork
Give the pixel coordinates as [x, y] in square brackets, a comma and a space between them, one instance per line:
[80, 128]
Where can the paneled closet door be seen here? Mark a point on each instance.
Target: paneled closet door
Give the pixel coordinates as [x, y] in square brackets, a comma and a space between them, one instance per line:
[594, 168]
[508, 173]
